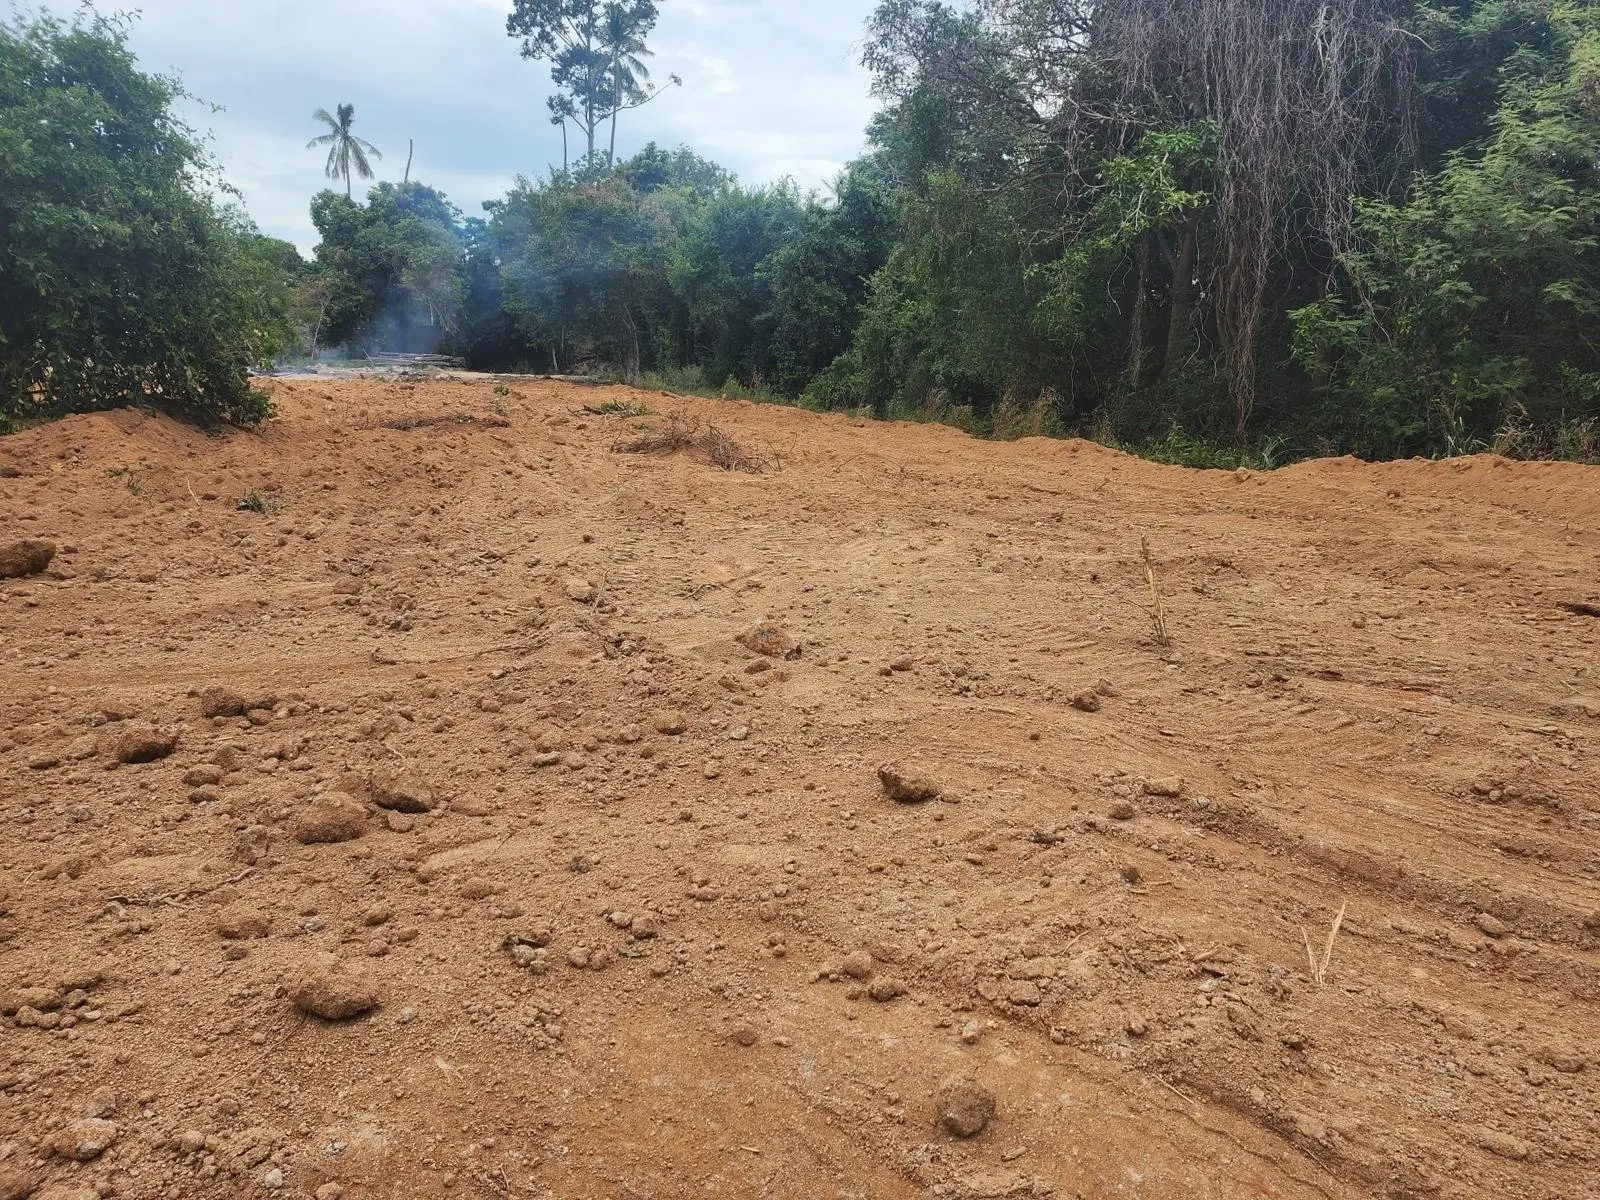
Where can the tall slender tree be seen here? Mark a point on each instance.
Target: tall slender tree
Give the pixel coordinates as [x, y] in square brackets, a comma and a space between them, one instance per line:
[596, 52]
[345, 149]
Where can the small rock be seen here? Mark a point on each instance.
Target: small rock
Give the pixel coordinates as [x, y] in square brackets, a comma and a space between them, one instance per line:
[84, 1140]
[1503, 1144]
[771, 640]
[1492, 925]
[671, 724]
[1088, 701]
[221, 702]
[273, 1179]
[241, 922]
[580, 591]
[964, 1106]
[1122, 810]
[25, 558]
[907, 787]
[401, 792]
[885, 988]
[203, 776]
[334, 995]
[329, 1191]
[39, 998]
[1567, 1061]
[857, 964]
[743, 1034]
[645, 926]
[328, 820]
[143, 744]
[1170, 787]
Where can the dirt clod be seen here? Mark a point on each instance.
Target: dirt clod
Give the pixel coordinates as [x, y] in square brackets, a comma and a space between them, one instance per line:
[138, 743]
[328, 820]
[963, 1106]
[21, 559]
[908, 785]
[401, 791]
[334, 994]
[84, 1140]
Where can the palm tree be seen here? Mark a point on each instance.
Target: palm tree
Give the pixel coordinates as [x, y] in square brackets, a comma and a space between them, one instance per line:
[628, 52]
[345, 149]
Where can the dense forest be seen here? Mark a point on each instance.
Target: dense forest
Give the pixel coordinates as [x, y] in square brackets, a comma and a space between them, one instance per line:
[1212, 230]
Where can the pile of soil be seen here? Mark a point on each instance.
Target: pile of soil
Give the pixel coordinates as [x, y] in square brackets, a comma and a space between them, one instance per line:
[420, 798]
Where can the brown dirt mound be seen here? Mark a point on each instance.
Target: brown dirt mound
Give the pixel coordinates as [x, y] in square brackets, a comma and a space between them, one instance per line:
[620, 906]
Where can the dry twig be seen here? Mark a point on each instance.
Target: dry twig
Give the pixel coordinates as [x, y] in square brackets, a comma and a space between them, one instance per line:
[1319, 971]
[1158, 612]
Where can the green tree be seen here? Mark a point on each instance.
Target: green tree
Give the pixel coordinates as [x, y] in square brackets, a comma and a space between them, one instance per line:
[345, 149]
[1471, 304]
[121, 280]
[596, 52]
[394, 268]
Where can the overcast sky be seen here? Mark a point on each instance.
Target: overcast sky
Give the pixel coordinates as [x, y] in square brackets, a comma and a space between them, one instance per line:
[771, 88]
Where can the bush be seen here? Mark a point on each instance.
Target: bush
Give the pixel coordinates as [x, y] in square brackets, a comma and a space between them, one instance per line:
[121, 281]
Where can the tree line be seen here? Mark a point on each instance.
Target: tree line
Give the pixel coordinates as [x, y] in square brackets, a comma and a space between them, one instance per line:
[1212, 230]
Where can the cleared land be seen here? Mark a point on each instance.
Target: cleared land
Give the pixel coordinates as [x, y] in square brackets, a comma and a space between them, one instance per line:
[634, 907]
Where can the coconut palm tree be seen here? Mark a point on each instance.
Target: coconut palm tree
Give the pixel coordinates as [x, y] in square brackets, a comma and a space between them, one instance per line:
[624, 44]
[345, 149]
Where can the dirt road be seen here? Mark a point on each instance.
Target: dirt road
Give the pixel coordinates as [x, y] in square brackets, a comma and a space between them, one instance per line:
[456, 733]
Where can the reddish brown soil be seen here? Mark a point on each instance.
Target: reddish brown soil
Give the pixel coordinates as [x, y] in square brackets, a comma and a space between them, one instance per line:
[1375, 701]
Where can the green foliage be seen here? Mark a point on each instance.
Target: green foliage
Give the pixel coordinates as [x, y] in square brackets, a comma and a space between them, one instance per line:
[596, 51]
[1473, 301]
[584, 271]
[121, 281]
[390, 273]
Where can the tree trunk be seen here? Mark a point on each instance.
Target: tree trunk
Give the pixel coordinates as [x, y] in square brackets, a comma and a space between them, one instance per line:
[1182, 290]
[1140, 304]
[564, 144]
[411, 149]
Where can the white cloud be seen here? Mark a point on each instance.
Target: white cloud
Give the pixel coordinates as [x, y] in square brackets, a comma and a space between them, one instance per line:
[770, 89]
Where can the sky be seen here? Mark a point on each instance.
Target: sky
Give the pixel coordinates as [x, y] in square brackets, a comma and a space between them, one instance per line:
[772, 88]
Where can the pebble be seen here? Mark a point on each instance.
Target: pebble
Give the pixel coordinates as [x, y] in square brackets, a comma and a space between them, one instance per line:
[964, 1106]
[29, 557]
[1122, 810]
[84, 1140]
[906, 786]
[1170, 787]
[329, 820]
[273, 1179]
[334, 995]
[743, 1034]
[857, 964]
[580, 591]
[401, 791]
[886, 988]
[241, 922]
[1492, 925]
[143, 744]
[223, 702]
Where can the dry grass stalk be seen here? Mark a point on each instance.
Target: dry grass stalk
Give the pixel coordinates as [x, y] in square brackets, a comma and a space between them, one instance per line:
[1158, 612]
[1319, 971]
[681, 433]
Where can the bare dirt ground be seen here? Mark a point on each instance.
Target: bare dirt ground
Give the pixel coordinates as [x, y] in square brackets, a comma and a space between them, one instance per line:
[652, 927]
